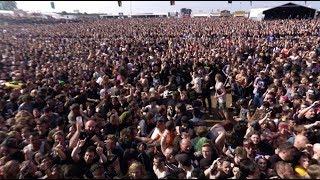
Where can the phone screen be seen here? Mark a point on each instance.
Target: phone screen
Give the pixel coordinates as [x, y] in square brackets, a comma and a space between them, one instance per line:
[79, 119]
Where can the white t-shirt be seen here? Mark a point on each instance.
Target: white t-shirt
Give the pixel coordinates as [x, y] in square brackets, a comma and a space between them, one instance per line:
[219, 87]
[189, 173]
[197, 84]
[159, 173]
[155, 134]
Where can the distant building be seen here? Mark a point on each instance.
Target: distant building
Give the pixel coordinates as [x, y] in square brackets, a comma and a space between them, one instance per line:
[225, 13]
[241, 14]
[173, 14]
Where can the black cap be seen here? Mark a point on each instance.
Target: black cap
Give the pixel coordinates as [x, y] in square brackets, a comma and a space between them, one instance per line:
[10, 143]
[183, 159]
[205, 163]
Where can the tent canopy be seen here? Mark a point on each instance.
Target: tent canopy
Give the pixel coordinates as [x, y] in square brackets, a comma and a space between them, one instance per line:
[289, 11]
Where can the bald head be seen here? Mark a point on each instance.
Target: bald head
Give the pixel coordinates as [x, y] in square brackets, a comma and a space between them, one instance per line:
[316, 149]
[300, 142]
[90, 125]
[185, 145]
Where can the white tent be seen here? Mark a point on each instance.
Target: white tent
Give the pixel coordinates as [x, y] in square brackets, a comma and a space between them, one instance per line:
[257, 13]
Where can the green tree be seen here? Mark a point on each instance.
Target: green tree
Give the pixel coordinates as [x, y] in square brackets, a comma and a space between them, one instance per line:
[8, 5]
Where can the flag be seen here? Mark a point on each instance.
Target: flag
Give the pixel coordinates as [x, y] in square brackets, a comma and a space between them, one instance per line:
[250, 3]
[52, 5]
[229, 2]
[172, 3]
[119, 3]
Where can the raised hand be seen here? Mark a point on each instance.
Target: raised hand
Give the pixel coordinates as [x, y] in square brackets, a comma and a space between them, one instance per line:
[81, 143]
[59, 147]
[99, 150]
[315, 103]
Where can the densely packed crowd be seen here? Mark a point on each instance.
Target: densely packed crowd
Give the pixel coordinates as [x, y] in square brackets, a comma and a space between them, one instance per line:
[8, 19]
[128, 99]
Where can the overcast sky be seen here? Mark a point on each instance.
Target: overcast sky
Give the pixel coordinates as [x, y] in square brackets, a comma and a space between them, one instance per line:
[111, 7]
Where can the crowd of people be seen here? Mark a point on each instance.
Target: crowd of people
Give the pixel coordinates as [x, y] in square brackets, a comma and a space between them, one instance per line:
[129, 98]
[32, 19]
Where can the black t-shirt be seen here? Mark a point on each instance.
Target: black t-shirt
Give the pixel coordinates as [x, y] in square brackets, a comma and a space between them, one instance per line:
[192, 94]
[105, 108]
[30, 176]
[265, 148]
[274, 159]
[206, 88]
[84, 168]
[111, 129]
[109, 165]
[172, 167]
[146, 161]
[93, 93]
[18, 156]
[57, 160]
[127, 144]
[214, 156]
[89, 142]
[225, 176]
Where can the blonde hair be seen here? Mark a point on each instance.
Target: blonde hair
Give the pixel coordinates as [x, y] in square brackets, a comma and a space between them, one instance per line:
[24, 118]
[136, 165]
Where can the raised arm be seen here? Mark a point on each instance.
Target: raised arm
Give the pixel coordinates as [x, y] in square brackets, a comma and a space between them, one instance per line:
[163, 141]
[75, 137]
[103, 158]
[75, 152]
[303, 111]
